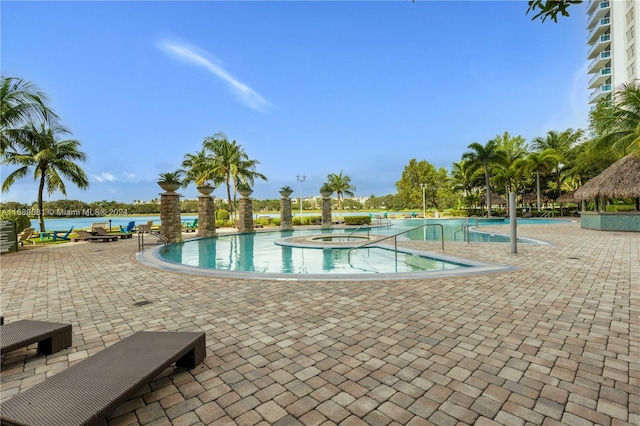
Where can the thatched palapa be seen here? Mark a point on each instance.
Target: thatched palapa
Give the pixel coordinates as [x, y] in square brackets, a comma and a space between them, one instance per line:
[569, 197]
[620, 180]
[533, 198]
[496, 199]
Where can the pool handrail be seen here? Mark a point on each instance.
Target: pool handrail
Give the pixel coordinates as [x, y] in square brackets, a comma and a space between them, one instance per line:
[358, 228]
[157, 234]
[395, 239]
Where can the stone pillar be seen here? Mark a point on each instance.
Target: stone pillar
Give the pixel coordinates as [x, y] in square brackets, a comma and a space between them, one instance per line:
[170, 224]
[206, 216]
[286, 221]
[244, 221]
[326, 212]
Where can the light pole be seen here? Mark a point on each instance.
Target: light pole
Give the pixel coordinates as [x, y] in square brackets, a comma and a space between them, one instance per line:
[424, 211]
[300, 180]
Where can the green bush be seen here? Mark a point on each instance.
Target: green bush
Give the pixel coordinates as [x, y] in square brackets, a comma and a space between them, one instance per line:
[224, 223]
[222, 214]
[22, 221]
[357, 220]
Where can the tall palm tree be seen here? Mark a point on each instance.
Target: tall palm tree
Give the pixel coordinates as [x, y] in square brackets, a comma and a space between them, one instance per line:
[198, 167]
[464, 178]
[540, 162]
[229, 164]
[20, 103]
[341, 185]
[562, 143]
[617, 123]
[39, 151]
[482, 157]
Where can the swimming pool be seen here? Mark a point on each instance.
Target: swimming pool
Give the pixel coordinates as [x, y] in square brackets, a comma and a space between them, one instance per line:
[314, 254]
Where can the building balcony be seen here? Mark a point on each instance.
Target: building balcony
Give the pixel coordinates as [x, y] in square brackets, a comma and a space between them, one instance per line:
[601, 45]
[600, 78]
[597, 10]
[603, 26]
[599, 93]
[600, 61]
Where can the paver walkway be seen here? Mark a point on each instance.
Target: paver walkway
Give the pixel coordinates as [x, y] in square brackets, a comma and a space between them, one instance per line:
[554, 342]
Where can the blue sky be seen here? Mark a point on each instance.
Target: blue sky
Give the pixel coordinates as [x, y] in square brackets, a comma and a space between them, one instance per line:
[305, 87]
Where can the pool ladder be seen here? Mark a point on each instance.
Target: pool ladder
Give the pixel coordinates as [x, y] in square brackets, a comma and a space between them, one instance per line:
[395, 239]
[157, 234]
[464, 228]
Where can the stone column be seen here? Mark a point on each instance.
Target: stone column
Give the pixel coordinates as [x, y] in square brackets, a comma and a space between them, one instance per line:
[170, 224]
[326, 212]
[206, 216]
[244, 221]
[286, 221]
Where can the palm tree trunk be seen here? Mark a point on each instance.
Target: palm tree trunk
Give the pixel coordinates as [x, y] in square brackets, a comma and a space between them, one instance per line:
[538, 189]
[40, 203]
[486, 181]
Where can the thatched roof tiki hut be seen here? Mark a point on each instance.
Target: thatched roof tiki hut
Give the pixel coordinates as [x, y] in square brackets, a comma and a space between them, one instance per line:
[620, 180]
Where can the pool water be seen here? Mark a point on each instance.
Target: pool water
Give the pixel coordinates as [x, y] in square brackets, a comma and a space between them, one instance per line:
[258, 253]
[265, 252]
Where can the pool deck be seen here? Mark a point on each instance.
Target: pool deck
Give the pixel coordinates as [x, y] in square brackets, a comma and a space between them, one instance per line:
[555, 341]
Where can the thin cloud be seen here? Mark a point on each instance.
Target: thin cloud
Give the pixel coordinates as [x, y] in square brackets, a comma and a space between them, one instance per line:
[245, 94]
[110, 177]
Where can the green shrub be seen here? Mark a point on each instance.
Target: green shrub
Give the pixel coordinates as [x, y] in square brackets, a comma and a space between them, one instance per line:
[357, 220]
[222, 214]
[22, 221]
[224, 223]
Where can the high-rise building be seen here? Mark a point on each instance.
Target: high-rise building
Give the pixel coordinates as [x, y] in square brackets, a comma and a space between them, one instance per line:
[614, 46]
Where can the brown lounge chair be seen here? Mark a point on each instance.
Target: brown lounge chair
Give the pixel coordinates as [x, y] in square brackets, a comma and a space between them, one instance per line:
[99, 230]
[85, 236]
[85, 393]
[50, 336]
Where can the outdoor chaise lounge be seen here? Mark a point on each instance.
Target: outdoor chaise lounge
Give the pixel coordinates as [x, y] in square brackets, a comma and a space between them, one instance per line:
[50, 336]
[101, 231]
[85, 236]
[86, 392]
[25, 235]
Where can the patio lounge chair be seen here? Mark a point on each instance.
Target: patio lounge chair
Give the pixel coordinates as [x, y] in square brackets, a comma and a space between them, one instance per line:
[190, 226]
[130, 227]
[95, 225]
[50, 336]
[85, 236]
[62, 237]
[101, 231]
[25, 235]
[86, 392]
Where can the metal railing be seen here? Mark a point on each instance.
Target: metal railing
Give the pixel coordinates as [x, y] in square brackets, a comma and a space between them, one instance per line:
[358, 228]
[464, 228]
[395, 239]
[157, 234]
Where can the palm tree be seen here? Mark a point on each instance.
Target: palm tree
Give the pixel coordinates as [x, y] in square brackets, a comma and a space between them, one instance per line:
[539, 162]
[482, 157]
[464, 178]
[229, 164]
[617, 123]
[562, 143]
[20, 103]
[340, 185]
[197, 167]
[38, 150]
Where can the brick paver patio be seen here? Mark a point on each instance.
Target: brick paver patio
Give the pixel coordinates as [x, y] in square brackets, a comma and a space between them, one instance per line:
[554, 342]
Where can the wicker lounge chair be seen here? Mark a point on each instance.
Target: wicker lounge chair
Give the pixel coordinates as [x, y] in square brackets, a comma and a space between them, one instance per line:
[85, 236]
[86, 392]
[101, 231]
[50, 336]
